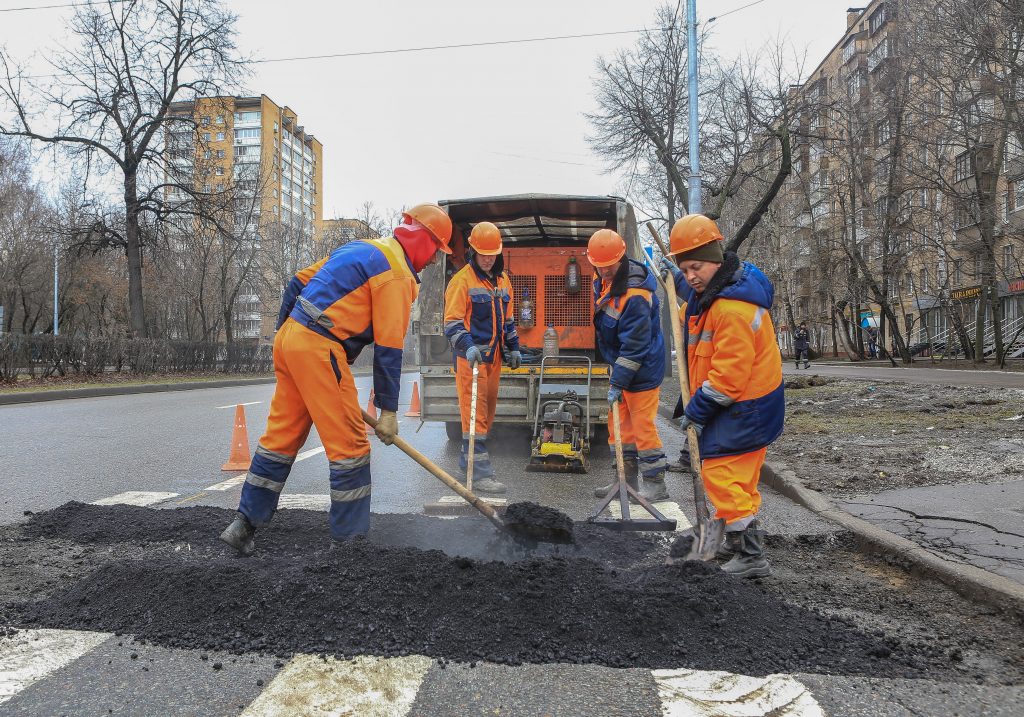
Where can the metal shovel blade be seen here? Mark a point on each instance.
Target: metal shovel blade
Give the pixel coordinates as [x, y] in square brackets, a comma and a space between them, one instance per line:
[709, 540]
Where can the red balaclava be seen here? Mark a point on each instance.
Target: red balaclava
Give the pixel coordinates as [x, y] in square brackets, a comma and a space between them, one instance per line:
[417, 242]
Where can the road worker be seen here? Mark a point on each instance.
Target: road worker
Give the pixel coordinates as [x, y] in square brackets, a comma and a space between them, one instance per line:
[628, 329]
[479, 324]
[361, 293]
[735, 369]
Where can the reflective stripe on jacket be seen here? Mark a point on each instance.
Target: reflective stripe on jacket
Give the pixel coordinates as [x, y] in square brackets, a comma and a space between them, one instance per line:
[478, 311]
[627, 323]
[735, 367]
[361, 294]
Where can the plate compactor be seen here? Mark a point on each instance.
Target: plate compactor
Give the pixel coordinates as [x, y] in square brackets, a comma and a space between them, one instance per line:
[561, 423]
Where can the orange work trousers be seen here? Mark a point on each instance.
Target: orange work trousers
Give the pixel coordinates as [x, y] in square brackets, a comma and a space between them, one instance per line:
[314, 387]
[731, 484]
[486, 394]
[640, 439]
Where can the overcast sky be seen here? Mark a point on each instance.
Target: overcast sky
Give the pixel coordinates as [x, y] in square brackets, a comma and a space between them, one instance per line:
[442, 124]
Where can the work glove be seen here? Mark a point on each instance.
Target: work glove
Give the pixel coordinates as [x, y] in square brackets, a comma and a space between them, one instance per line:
[614, 395]
[387, 427]
[473, 355]
[687, 422]
[668, 267]
[515, 360]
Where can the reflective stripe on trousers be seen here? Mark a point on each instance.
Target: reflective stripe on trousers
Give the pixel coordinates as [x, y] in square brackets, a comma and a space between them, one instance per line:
[640, 439]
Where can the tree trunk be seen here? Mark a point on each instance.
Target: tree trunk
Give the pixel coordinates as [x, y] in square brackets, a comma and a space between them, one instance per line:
[133, 252]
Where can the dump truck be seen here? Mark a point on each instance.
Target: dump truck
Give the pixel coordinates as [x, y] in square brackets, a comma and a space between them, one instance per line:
[541, 234]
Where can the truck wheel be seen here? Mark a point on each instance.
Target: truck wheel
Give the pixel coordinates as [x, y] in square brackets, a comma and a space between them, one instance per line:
[454, 430]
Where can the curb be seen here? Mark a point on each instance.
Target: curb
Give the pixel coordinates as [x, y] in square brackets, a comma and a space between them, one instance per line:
[64, 394]
[971, 582]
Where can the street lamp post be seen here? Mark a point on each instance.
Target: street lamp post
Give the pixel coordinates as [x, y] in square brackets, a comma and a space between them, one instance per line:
[691, 42]
[56, 284]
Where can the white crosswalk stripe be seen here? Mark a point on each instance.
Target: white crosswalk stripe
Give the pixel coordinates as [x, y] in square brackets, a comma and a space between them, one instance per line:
[306, 501]
[314, 685]
[699, 693]
[136, 497]
[365, 686]
[30, 655]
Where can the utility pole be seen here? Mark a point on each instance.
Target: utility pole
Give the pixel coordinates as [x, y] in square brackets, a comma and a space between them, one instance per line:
[691, 47]
[56, 326]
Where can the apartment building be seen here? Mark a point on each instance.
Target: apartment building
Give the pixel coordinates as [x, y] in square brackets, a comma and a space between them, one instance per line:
[268, 169]
[885, 196]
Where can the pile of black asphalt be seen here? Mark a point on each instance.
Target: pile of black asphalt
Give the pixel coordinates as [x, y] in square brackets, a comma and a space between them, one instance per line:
[453, 589]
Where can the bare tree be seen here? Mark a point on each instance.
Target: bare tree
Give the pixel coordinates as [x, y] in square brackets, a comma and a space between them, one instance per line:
[108, 100]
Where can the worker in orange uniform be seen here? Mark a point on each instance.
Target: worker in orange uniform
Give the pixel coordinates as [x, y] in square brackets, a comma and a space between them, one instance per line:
[737, 404]
[628, 329]
[479, 324]
[362, 293]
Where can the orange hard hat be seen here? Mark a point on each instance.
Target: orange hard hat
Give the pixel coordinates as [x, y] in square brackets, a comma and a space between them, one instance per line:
[485, 239]
[605, 248]
[692, 231]
[436, 221]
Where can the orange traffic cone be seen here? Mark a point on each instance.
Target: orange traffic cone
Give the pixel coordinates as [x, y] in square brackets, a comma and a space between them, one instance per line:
[414, 407]
[240, 457]
[372, 410]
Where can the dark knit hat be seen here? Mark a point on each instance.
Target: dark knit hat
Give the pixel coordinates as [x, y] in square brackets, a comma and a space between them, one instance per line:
[712, 251]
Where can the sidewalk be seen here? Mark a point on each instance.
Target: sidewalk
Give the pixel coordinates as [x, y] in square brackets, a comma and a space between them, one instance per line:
[968, 535]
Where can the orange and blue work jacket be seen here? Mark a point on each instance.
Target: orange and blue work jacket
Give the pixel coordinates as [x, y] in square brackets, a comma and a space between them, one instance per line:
[627, 323]
[362, 293]
[478, 312]
[734, 363]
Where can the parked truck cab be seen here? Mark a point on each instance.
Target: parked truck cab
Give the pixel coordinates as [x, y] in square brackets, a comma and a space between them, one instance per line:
[544, 243]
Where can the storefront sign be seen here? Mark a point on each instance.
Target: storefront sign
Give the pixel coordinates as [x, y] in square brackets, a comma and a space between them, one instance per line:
[1016, 287]
[959, 294]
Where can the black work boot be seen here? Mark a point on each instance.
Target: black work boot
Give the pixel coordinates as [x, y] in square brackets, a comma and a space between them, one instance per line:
[749, 561]
[653, 489]
[240, 536]
[632, 470]
[730, 546]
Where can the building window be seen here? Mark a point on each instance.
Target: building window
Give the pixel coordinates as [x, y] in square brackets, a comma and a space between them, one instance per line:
[204, 121]
[849, 50]
[963, 167]
[220, 171]
[878, 19]
[882, 133]
[206, 136]
[220, 119]
[1008, 264]
[880, 53]
[958, 272]
[909, 283]
[220, 154]
[1017, 197]
[220, 136]
[207, 154]
[924, 279]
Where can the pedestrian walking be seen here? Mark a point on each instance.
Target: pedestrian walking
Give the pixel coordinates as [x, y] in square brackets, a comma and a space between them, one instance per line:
[361, 293]
[735, 370]
[480, 326]
[628, 329]
[872, 342]
[802, 344]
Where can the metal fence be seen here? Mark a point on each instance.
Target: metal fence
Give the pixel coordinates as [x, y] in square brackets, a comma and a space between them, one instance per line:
[42, 356]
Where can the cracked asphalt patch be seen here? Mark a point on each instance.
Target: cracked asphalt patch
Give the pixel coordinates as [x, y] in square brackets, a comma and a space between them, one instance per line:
[607, 600]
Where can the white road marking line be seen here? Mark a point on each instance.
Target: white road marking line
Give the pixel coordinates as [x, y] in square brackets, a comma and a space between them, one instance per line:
[668, 508]
[250, 403]
[699, 693]
[364, 686]
[228, 484]
[309, 454]
[307, 501]
[31, 655]
[135, 497]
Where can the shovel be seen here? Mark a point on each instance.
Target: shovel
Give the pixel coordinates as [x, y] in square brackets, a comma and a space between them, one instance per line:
[544, 533]
[472, 430]
[709, 532]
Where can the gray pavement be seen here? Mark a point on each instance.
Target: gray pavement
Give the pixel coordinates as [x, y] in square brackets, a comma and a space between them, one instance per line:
[981, 524]
[911, 374]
